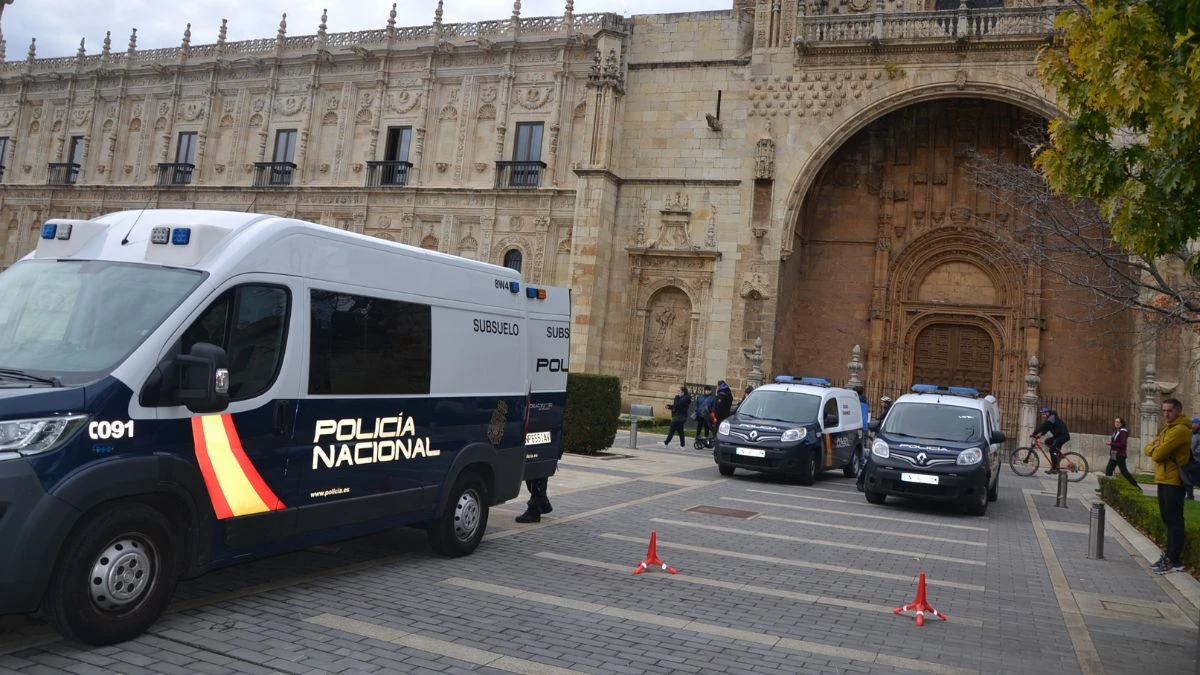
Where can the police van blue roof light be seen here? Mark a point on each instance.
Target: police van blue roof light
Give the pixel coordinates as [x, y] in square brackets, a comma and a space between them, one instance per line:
[941, 389]
[964, 391]
[530, 292]
[784, 379]
[514, 287]
[49, 230]
[180, 236]
[817, 381]
[925, 388]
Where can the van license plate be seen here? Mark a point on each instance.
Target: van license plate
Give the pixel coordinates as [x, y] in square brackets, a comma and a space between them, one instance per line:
[751, 452]
[919, 478]
[537, 438]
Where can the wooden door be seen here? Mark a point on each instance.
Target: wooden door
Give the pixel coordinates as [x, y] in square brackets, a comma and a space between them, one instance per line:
[954, 355]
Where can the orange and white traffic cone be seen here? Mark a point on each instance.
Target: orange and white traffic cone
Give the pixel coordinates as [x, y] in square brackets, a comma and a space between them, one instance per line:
[653, 559]
[919, 605]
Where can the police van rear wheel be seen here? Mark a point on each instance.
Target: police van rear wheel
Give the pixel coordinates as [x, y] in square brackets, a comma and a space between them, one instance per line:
[115, 576]
[458, 531]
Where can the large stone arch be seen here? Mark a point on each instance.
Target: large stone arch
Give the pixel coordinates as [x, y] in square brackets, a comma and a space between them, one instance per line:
[857, 119]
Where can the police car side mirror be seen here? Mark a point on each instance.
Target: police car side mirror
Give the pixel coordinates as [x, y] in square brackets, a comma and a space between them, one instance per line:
[874, 425]
[203, 378]
[997, 437]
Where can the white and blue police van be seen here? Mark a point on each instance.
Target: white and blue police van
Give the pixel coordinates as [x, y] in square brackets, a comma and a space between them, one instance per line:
[181, 390]
[797, 427]
[938, 443]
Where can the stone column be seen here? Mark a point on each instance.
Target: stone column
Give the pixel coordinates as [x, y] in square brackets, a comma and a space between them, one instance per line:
[855, 367]
[1029, 403]
[1151, 409]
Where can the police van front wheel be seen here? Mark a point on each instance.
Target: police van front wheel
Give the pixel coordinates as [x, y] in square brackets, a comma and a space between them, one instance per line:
[458, 531]
[851, 469]
[115, 576]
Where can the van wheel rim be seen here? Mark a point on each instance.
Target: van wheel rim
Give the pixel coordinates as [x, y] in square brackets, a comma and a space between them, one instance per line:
[466, 515]
[122, 573]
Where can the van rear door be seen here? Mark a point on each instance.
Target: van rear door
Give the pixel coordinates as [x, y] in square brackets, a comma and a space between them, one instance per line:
[550, 348]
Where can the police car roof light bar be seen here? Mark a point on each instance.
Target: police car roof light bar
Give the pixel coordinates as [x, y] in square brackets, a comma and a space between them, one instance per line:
[941, 389]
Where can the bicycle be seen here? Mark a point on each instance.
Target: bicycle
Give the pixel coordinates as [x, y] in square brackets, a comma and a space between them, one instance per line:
[1025, 461]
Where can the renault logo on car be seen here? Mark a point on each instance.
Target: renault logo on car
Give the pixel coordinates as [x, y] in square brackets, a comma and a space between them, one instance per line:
[922, 458]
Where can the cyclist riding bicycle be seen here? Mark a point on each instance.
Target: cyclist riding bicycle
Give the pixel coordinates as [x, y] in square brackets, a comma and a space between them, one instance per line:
[1059, 435]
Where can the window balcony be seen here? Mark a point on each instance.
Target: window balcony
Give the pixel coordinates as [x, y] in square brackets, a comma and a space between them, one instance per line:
[63, 173]
[519, 174]
[273, 174]
[1, 172]
[387, 174]
[175, 174]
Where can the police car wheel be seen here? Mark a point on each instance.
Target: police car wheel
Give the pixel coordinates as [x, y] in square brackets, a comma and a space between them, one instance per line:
[725, 469]
[994, 488]
[808, 472]
[115, 576]
[851, 469]
[979, 508]
[875, 497]
[458, 531]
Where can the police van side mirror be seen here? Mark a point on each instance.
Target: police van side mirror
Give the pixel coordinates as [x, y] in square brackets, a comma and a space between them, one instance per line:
[203, 378]
[997, 437]
[874, 425]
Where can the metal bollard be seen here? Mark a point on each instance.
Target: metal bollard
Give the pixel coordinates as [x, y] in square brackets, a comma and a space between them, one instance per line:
[1061, 499]
[633, 433]
[1096, 533]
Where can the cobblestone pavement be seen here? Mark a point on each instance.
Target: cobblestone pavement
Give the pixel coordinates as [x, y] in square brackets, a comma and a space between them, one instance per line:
[773, 577]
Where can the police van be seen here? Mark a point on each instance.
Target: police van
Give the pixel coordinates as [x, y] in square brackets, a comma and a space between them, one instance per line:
[798, 426]
[181, 390]
[938, 443]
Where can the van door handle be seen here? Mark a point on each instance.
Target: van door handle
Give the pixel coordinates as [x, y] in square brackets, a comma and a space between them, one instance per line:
[284, 418]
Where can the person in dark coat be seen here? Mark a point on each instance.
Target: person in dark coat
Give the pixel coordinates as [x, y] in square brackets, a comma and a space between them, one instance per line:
[724, 401]
[1117, 452]
[1059, 435]
[679, 415]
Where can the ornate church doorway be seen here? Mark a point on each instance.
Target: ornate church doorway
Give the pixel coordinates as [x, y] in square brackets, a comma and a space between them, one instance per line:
[954, 355]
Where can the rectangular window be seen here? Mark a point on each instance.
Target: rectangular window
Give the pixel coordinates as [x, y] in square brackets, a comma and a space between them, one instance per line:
[75, 155]
[185, 152]
[528, 144]
[398, 141]
[3, 154]
[285, 145]
[362, 346]
[250, 323]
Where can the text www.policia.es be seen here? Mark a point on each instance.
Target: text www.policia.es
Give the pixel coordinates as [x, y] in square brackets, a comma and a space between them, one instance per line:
[329, 493]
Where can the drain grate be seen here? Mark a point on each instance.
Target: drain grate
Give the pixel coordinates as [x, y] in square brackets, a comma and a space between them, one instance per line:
[720, 511]
[610, 455]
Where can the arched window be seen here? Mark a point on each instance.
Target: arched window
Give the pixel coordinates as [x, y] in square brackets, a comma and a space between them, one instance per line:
[512, 259]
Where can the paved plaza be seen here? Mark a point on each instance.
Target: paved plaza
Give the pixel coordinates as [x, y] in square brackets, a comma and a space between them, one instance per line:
[774, 577]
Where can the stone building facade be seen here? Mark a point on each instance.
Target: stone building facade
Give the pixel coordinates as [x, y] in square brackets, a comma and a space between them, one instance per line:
[728, 193]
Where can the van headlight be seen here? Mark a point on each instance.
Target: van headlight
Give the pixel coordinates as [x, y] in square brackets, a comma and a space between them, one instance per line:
[724, 428]
[34, 436]
[880, 449]
[970, 456]
[790, 435]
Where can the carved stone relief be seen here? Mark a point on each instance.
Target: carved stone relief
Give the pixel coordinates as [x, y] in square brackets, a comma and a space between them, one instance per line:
[668, 334]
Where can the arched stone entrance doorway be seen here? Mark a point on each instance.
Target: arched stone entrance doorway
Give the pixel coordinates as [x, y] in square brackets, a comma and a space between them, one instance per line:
[898, 251]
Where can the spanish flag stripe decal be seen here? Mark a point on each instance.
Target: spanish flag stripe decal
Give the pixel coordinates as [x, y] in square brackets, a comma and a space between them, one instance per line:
[260, 486]
[828, 450]
[235, 487]
[220, 506]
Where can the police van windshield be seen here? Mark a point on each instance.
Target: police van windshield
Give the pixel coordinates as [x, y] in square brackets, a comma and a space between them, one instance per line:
[780, 406]
[930, 421]
[76, 320]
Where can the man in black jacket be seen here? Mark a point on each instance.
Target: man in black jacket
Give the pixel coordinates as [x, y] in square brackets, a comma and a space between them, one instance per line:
[1059, 435]
[679, 414]
[724, 401]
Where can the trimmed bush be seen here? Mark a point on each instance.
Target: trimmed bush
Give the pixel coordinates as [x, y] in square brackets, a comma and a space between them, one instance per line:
[1141, 510]
[593, 405]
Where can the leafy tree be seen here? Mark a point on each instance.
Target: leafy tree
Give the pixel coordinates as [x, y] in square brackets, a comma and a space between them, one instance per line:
[1127, 77]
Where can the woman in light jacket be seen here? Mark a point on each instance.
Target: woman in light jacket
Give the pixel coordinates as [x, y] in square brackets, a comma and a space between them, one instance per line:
[1117, 452]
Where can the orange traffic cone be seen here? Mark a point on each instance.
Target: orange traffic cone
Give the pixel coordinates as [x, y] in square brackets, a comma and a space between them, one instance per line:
[920, 605]
[653, 559]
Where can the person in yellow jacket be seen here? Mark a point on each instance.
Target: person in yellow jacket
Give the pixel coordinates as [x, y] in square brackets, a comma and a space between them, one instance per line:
[1171, 449]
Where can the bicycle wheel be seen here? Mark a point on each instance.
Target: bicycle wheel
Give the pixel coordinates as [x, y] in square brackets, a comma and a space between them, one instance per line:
[1075, 464]
[1024, 461]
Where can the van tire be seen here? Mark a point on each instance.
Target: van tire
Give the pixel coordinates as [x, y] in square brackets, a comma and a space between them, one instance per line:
[875, 497]
[458, 531]
[979, 508]
[725, 469]
[125, 550]
[808, 472]
[851, 469]
[994, 488]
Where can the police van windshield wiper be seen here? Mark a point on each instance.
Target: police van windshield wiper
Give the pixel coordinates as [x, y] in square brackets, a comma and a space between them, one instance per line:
[22, 375]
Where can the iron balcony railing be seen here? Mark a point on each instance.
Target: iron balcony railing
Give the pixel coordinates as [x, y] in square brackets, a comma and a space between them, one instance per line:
[519, 174]
[63, 173]
[273, 174]
[387, 174]
[175, 174]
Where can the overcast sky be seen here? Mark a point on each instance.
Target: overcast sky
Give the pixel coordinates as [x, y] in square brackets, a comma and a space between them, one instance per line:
[58, 25]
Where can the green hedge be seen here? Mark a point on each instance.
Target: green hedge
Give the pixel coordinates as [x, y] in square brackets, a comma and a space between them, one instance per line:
[593, 405]
[1141, 510]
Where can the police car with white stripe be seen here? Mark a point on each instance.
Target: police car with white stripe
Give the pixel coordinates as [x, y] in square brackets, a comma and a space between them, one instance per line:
[180, 390]
[798, 426]
[937, 443]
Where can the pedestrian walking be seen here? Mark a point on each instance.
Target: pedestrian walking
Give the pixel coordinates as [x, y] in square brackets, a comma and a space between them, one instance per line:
[704, 408]
[1170, 449]
[1117, 452]
[679, 414]
[724, 401]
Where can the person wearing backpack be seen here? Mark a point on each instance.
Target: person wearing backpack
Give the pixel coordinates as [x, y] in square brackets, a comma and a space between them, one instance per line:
[679, 414]
[704, 408]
